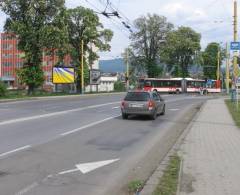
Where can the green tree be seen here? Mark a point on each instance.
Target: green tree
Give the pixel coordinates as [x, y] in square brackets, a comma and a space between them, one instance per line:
[84, 24]
[119, 86]
[33, 23]
[210, 59]
[3, 89]
[31, 75]
[147, 42]
[180, 50]
[56, 36]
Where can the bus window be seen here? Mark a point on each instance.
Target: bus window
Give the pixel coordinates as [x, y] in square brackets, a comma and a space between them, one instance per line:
[148, 84]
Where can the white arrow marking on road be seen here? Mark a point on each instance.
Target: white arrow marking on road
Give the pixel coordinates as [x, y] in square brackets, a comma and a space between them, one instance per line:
[88, 167]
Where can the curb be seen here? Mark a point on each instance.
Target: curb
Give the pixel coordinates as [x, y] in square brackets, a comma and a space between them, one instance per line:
[153, 181]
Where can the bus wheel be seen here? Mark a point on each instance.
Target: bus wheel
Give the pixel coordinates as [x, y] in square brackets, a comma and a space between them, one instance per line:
[177, 91]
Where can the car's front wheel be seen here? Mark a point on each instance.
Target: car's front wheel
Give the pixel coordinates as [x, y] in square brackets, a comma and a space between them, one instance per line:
[163, 110]
[124, 116]
[154, 115]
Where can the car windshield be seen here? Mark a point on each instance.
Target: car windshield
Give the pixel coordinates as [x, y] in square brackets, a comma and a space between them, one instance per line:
[137, 96]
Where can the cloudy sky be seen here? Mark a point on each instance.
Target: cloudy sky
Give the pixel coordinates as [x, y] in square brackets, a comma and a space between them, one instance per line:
[211, 18]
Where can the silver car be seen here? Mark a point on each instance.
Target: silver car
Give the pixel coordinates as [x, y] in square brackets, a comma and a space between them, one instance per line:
[142, 103]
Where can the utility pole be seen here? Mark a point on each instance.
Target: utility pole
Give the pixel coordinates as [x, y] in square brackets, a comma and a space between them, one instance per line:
[227, 68]
[82, 69]
[127, 80]
[218, 64]
[235, 65]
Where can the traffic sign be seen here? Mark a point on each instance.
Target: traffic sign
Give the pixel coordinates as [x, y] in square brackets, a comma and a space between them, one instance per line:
[235, 46]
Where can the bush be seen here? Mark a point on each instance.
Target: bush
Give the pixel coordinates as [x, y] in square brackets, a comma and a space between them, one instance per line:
[3, 89]
[119, 86]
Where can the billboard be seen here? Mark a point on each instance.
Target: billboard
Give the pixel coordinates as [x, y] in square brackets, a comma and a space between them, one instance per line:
[63, 75]
[94, 76]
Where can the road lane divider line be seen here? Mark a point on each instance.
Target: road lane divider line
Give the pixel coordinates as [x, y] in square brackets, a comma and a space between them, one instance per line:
[55, 113]
[173, 109]
[14, 151]
[89, 125]
[27, 189]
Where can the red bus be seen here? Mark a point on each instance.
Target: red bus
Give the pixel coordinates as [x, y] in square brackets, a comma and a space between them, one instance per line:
[173, 85]
[213, 86]
[194, 85]
[179, 85]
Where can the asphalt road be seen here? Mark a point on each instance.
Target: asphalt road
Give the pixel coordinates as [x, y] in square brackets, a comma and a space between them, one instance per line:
[42, 141]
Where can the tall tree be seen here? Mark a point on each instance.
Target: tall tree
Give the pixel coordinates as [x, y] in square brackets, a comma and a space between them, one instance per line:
[210, 61]
[180, 50]
[31, 21]
[84, 24]
[147, 42]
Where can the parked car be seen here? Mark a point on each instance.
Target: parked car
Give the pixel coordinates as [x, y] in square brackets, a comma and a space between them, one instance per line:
[142, 103]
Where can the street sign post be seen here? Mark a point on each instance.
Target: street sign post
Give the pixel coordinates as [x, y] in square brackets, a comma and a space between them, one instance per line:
[235, 46]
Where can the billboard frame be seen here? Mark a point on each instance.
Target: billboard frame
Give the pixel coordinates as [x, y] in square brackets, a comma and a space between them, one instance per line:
[90, 78]
[74, 76]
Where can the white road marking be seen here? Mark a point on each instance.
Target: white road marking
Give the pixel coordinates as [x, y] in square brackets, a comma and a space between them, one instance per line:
[174, 109]
[14, 151]
[54, 113]
[69, 171]
[116, 107]
[89, 125]
[27, 189]
[88, 167]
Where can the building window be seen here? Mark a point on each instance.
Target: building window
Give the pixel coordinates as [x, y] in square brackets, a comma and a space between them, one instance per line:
[7, 46]
[7, 37]
[19, 64]
[7, 64]
[7, 74]
[7, 56]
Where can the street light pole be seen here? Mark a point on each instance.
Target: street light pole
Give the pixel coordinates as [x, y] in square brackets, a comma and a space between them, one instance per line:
[127, 82]
[218, 64]
[227, 68]
[235, 65]
[82, 68]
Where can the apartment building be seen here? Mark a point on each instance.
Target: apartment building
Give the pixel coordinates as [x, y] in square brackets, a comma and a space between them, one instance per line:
[11, 59]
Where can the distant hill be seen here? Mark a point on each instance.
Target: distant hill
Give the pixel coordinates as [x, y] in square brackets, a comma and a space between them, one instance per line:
[114, 65]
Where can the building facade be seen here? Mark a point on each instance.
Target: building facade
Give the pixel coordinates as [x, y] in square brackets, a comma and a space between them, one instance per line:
[10, 59]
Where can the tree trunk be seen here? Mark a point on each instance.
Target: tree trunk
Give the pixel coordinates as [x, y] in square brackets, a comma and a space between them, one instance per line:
[30, 89]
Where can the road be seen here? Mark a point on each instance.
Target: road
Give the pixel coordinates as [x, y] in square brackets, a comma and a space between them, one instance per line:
[44, 144]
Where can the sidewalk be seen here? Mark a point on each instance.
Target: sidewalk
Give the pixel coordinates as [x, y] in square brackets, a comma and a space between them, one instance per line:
[211, 153]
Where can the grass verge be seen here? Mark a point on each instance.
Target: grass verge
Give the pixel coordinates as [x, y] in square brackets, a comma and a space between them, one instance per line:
[169, 181]
[235, 112]
[135, 186]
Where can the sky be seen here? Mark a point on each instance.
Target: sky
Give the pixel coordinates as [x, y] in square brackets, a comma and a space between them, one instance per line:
[212, 18]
